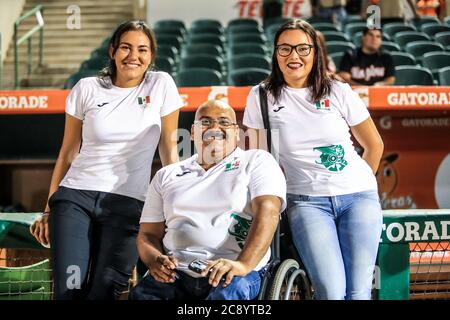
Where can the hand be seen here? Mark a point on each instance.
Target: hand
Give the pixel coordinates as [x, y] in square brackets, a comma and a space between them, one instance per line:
[39, 229]
[217, 270]
[162, 268]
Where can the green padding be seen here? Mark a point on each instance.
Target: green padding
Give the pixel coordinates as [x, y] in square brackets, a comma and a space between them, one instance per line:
[40, 294]
[15, 233]
[25, 280]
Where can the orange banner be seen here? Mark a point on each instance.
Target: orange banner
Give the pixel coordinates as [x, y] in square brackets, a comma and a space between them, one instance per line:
[382, 98]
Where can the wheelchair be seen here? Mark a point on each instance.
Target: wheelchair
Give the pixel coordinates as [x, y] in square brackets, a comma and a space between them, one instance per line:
[285, 278]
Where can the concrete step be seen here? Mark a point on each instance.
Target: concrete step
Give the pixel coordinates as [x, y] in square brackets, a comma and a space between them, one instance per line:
[57, 59]
[71, 34]
[40, 80]
[62, 26]
[85, 10]
[62, 20]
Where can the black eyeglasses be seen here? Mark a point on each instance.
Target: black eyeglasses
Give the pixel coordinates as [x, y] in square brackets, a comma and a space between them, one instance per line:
[222, 122]
[302, 49]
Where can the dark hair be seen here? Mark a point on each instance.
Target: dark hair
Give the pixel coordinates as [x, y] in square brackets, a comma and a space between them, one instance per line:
[135, 25]
[367, 29]
[319, 81]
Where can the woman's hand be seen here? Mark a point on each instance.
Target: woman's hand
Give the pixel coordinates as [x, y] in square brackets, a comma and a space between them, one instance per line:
[39, 229]
[162, 268]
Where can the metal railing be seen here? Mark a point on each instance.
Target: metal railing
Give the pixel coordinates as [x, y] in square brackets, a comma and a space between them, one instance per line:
[37, 11]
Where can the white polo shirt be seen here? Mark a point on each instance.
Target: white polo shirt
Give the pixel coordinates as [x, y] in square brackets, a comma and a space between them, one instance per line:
[208, 213]
[121, 130]
[313, 139]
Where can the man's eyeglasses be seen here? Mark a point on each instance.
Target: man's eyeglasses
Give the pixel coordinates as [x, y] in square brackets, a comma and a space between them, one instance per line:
[302, 49]
[222, 122]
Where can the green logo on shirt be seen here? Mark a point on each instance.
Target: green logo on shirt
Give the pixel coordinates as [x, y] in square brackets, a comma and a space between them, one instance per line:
[233, 165]
[332, 157]
[323, 104]
[240, 229]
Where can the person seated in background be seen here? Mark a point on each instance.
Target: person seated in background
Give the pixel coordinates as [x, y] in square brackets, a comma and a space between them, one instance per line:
[221, 205]
[368, 65]
[333, 10]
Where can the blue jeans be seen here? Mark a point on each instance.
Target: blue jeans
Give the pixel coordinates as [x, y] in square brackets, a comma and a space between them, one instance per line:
[189, 288]
[337, 239]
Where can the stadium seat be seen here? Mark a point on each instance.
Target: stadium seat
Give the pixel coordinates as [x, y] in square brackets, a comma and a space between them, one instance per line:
[413, 75]
[447, 20]
[206, 30]
[444, 76]
[432, 29]
[325, 26]
[240, 48]
[249, 61]
[94, 64]
[198, 77]
[243, 22]
[205, 23]
[424, 20]
[337, 57]
[247, 38]
[247, 76]
[404, 37]
[74, 78]
[169, 23]
[275, 21]
[393, 28]
[239, 29]
[270, 32]
[206, 39]
[352, 19]
[167, 51]
[356, 38]
[443, 38]
[100, 53]
[390, 46]
[403, 59]
[355, 27]
[202, 61]
[164, 64]
[435, 61]
[170, 40]
[202, 48]
[339, 46]
[170, 31]
[335, 36]
[419, 48]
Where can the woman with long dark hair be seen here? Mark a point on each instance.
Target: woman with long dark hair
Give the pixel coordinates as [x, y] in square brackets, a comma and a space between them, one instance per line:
[114, 123]
[333, 211]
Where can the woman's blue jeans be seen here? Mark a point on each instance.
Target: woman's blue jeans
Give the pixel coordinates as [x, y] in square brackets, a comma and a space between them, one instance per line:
[337, 239]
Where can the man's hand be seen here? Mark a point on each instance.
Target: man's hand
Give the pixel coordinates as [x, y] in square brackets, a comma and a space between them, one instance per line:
[162, 268]
[39, 229]
[226, 269]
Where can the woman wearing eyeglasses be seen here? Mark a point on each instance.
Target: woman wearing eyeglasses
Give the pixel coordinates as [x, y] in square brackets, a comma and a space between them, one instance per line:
[333, 206]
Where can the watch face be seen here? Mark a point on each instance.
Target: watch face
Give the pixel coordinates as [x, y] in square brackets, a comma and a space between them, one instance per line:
[197, 265]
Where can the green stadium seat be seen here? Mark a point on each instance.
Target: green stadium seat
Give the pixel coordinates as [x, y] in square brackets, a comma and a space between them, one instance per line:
[202, 61]
[447, 20]
[198, 77]
[356, 38]
[247, 38]
[170, 31]
[337, 57]
[335, 36]
[424, 20]
[325, 26]
[167, 51]
[270, 32]
[393, 28]
[352, 19]
[206, 30]
[100, 53]
[241, 48]
[403, 59]
[94, 64]
[205, 23]
[170, 40]
[206, 39]
[249, 61]
[202, 48]
[275, 21]
[165, 64]
[247, 76]
[413, 75]
[444, 76]
[339, 46]
[233, 30]
[419, 48]
[355, 27]
[435, 61]
[243, 22]
[443, 38]
[170, 23]
[390, 46]
[404, 37]
[31, 282]
[432, 29]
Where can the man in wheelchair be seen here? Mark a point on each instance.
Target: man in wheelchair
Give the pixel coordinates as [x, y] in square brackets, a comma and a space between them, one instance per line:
[208, 221]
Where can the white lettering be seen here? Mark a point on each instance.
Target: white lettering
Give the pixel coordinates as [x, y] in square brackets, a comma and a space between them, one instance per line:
[445, 235]
[430, 228]
[389, 232]
[412, 231]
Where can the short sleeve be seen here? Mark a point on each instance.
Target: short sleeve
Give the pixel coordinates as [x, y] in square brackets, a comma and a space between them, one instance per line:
[75, 101]
[252, 114]
[172, 100]
[153, 206]
[390, 67]
[346, 62]
[352, 107]
[266, 177]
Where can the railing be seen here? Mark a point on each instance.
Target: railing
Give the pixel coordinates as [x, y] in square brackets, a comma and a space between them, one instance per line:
[37, 11]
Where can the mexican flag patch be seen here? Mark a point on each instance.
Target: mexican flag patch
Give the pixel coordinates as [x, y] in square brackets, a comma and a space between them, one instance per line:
[233, 165]
[323, 104]
[144, 101]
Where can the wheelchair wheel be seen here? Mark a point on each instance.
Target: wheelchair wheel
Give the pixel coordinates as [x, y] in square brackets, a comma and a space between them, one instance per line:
[290, 283]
